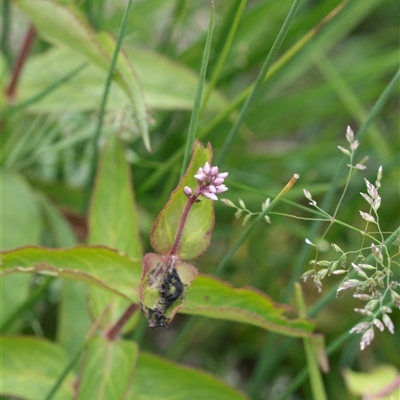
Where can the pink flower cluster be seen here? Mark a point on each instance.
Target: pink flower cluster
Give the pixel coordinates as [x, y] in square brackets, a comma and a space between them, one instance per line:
[209, 181]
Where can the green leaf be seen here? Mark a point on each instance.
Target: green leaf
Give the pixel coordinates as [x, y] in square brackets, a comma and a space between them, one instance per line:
[96, 265]
[210, 297]
[61, 231]
[113, 221]
[73, 320]
[196, 234]
[376, 382]
[82, 92]
[156, 73]
[72, 309]
[157, 378]
[108, 369]
[65, 26]
[30, 367]
[113, 217]
[18, 211]
[207, 296]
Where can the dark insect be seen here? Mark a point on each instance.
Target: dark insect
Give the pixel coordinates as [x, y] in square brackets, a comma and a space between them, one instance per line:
[171, 288]
[157, 319]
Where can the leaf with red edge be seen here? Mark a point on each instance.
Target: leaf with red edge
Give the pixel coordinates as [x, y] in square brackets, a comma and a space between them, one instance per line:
[211, 297]
[93, 265]
[196, 234]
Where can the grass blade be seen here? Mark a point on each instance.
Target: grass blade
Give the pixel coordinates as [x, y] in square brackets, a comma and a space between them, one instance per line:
[259, 81]
[263, 367]
[199, 92]
[317, 385]
[48, 90]
[280, 63]
[96, 136]
[224, 53]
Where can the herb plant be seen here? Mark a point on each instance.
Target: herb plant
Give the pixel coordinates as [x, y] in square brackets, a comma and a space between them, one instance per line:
[128, 269]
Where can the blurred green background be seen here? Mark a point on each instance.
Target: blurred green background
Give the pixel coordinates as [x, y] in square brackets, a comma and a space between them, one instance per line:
[294, 126]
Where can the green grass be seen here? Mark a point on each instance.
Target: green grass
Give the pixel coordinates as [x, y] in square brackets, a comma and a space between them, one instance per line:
[264, 127]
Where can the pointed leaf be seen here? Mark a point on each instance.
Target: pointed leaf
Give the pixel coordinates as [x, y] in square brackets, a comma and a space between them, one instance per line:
[65, 25]
[73, 318]
[196, 235]
[30, 367]
[17, 211]
[108, 370]
[113, 221]
[156, 74]
[207, 296]
[96, 265]
[157, 378]
[72, 307]
[113, 217]
[61, 231]
[211, 297]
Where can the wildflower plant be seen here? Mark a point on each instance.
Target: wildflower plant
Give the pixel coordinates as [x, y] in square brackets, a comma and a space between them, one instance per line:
[367, 270]
[165, 277]
[241, 208]
[74, 172]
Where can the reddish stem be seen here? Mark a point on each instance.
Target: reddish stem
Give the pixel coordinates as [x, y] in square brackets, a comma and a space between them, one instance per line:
[191, 200]
[22, 56]
[115, 331]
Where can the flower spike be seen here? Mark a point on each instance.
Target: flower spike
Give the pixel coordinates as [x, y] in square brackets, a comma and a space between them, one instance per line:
[209, 182]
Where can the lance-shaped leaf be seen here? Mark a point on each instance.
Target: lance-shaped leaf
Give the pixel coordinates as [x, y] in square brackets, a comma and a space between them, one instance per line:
[163, 287]
[95, 265]
[166, 84]
[108, 369]
[196, 234]
[65, 25]
[210, 297]
[72, 306]
[30, 367]
[157, 378]
[114, 222]
[18, 210]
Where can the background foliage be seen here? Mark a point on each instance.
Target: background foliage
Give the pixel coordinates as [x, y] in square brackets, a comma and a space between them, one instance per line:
[325, 77]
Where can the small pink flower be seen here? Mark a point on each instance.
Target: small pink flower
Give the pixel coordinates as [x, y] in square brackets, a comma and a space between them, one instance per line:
[209, 181]
[221, 188]
[188, 191]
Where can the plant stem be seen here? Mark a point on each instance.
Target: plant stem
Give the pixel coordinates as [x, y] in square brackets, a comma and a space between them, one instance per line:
[34, 296]
[224, 53]
[64, 374]
[185, 330]
[96, 136]
[222, 264]
[259, 81]
[316, 382]
[22, 56]
[226, 113]
[191, 200]
[115, 331]
[194, 120]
